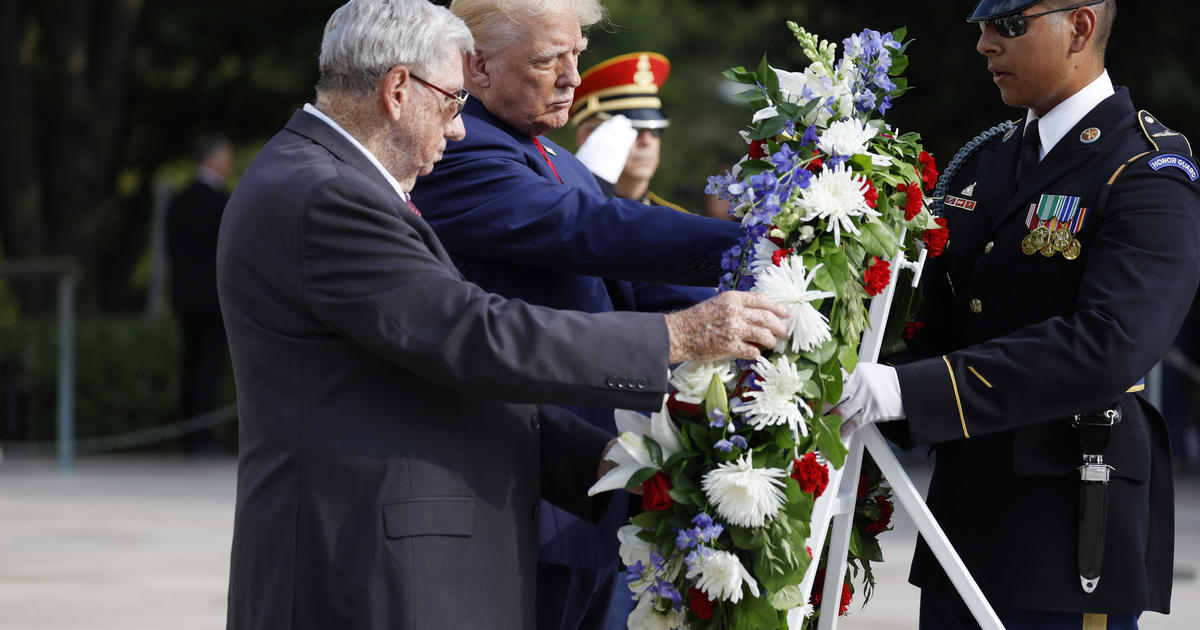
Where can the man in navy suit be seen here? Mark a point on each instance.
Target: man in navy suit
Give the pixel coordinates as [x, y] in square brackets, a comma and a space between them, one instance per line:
[1071, 265]
[523, 218]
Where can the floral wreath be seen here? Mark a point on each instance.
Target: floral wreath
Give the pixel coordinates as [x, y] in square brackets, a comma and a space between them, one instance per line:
[731, 465]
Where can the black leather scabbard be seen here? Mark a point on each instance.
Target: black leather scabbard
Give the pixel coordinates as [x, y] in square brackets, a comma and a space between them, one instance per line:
[1094, 432]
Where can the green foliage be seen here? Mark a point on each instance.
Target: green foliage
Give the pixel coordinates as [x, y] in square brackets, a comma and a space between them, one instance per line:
[126, 377]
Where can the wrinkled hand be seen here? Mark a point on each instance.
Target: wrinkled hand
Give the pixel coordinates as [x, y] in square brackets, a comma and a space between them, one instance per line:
[870, 394]
[607, 148]
[734, 323]
[607, 464]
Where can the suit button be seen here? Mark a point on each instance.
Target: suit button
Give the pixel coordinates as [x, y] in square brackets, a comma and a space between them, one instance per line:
[643, 383]
[987, 249]
[976, 306]
[611, 382]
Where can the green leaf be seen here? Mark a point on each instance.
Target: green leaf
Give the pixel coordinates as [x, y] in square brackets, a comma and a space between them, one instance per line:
[745, 538]
[751, 168]
[767, 128]
[648, 520]
[767, 76]
[855, 542]
[749, 96]
[878, 239]
[640, 477]
[681, 496]
[848, 357]
[831, 381]
[655, 450]
[678, 458]
[900, 33]
[822, 353]
[829, 442]
[758, 613]
[899, 65]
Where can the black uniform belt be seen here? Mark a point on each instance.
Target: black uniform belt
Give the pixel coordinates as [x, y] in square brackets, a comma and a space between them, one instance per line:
[1094, 429]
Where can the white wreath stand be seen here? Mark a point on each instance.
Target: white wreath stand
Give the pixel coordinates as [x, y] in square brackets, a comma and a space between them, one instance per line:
[837, 507]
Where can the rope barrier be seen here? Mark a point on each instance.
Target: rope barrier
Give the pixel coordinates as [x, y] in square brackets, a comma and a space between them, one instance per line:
[130, 439]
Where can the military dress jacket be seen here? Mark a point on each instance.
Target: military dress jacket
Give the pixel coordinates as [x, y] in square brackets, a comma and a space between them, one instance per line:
[390, 465]
[1017, 341]
[519, 227]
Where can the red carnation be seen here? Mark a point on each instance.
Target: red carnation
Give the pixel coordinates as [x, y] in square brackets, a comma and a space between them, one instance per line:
[654, 493]
[818, 591]
[885, 516]
[876, 277]
[813, 476]
[780, 254]
[863, 488]
[700, 603]
[911, 329]
[678, 408]
[928, 171]
[816, 164]
[871, 195]
[936, 239]
[809, 550]
[758, 150]
[912, 200]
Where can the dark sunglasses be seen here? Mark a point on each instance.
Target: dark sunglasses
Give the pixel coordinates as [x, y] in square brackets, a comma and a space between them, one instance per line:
[460, 99]
[1010, 26]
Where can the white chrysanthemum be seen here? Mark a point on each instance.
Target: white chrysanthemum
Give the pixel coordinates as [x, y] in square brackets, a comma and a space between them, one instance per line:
[788, 284]
[796, 616]
[745, 495]
[721, 576]
[846, 137]
[630, 454]
[779, 401]
[692, 378]
[836, 195]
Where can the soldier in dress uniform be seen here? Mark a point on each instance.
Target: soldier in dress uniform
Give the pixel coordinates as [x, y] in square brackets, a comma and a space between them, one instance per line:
[1070, 266]
[626, 85]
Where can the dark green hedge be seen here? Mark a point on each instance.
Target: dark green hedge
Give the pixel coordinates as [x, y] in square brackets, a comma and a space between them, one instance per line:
[126, 376]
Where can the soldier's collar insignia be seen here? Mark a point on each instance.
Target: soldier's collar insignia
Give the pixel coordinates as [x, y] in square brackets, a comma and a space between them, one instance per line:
[969, 191]
[1089, 135]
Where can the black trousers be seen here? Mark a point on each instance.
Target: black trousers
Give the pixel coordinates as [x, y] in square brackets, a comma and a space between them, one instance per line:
[202, 360]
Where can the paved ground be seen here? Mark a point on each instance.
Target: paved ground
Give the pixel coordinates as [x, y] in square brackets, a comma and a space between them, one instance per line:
[138, 544]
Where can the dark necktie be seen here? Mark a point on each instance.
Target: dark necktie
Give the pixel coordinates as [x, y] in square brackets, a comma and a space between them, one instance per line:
[538, 144]
[1031, 146]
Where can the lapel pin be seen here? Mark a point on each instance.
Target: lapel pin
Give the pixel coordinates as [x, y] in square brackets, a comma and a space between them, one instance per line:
[969, 191]
[1008, 134]
[1089, 135]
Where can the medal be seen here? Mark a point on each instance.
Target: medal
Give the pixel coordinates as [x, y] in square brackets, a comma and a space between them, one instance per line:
[1040, 236]
[1027, 247]
[1060, 238]
[1073, 249]
[1047, 250]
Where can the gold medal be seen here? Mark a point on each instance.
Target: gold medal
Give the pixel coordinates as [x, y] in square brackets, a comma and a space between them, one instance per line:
[1027, 247]
[1047, 250]
[1060, 238]
[1073, 249]
[1040, 236]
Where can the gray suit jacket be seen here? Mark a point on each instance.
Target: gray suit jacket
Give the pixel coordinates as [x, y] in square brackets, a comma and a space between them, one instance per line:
[389, 476]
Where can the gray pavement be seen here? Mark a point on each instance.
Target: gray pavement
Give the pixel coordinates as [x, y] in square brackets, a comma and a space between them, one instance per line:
[143, 543]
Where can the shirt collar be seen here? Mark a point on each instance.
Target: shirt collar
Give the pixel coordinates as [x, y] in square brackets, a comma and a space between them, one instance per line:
[1058, 121]
[308, 107]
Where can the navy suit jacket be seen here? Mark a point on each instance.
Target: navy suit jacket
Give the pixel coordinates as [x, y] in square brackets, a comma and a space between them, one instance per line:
[514, 229]
[1018, 344]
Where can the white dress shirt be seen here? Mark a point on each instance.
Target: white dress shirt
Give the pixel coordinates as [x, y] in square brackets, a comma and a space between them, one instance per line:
[1058, 121]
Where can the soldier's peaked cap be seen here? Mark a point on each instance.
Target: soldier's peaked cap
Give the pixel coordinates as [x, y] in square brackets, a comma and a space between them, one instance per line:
[989, 9]
[626, 85]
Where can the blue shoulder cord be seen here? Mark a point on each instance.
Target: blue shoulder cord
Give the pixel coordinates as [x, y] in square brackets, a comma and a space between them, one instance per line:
[965, 154]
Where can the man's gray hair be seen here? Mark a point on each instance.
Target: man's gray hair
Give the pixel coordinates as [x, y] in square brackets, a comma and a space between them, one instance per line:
[366, 38]
[498, 23]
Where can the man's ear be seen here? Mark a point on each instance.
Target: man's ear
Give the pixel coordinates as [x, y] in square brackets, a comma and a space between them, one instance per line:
[394, 91]
[1083, 24]
[478, 69]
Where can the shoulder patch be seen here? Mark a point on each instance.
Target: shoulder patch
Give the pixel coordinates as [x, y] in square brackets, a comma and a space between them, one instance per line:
[1178, 161]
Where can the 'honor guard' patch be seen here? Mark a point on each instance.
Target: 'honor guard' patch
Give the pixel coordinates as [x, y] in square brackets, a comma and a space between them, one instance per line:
[1178, 161]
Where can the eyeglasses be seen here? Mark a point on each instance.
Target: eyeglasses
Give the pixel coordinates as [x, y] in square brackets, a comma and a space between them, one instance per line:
[459, 100]
[1010, 26]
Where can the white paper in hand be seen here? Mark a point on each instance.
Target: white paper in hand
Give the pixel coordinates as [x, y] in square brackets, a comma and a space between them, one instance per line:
[605, 151]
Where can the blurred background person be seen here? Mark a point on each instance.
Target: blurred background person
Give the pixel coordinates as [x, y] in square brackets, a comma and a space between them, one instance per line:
[193, 219]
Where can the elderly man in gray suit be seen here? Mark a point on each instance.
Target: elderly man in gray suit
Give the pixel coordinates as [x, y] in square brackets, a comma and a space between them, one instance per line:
[390, 464]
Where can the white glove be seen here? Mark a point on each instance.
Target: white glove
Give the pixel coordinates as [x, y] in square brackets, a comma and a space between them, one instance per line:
[605, 151]
[870, 394]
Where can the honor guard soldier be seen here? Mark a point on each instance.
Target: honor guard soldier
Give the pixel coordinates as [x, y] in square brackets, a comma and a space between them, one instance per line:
[622, 153]
[1071, 265]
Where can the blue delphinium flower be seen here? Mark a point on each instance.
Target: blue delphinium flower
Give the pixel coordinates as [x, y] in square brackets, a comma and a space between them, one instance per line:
[716, 418]
[738, 441]
[723, 445]
[810, 135]
[635, 571]
[667, 590]
[702, 520]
